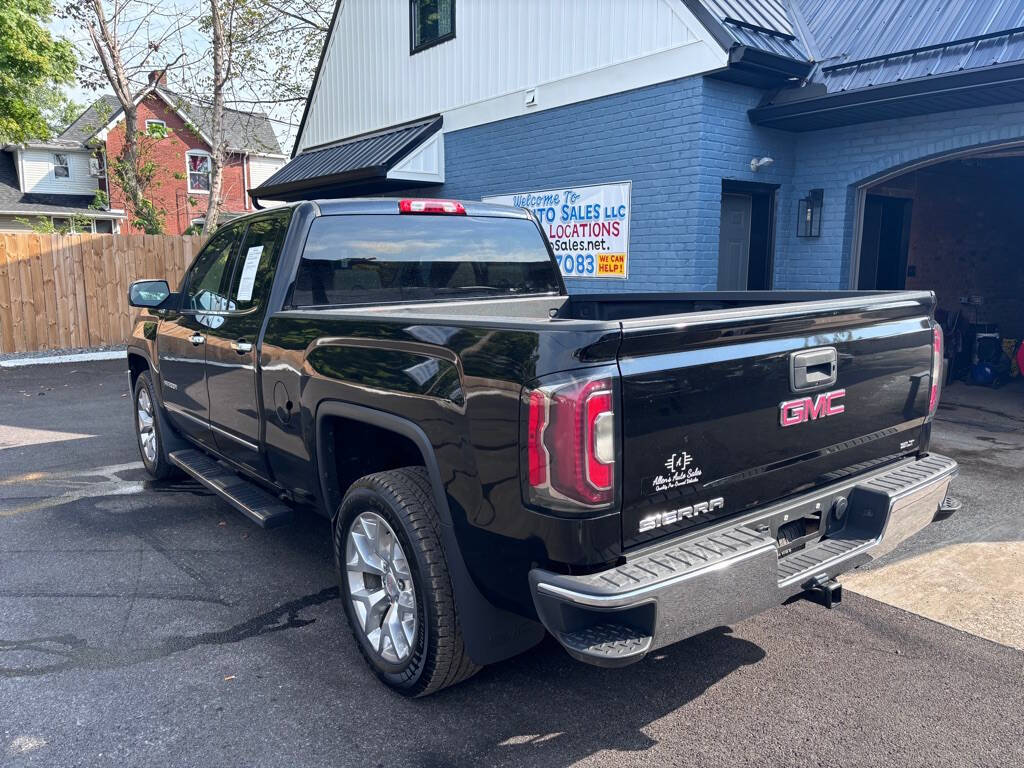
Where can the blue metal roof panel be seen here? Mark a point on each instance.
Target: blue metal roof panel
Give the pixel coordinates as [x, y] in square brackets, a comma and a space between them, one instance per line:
[765, 42]
[861, 45]
[847, 31]
[761, 24]
[907, 66]
[769, 14]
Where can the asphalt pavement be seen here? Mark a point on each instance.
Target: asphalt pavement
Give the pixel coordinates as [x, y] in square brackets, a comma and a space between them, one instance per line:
[151, 625]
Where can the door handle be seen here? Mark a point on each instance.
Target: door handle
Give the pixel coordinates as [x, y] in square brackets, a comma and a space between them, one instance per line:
[197, 339]
[241, 347]
[813, 368]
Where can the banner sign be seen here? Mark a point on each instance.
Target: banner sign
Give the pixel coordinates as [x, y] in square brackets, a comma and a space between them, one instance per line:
[588, 227]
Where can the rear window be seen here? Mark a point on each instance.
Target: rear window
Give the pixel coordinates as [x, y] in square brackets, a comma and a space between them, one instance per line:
[381, 258]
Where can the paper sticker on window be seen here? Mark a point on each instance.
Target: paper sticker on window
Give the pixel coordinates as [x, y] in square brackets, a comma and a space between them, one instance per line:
[252, 262]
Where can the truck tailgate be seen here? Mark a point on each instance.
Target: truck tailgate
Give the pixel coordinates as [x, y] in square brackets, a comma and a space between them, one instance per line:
[704, 397]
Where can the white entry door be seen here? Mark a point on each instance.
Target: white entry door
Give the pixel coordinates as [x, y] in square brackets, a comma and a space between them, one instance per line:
[734, 242]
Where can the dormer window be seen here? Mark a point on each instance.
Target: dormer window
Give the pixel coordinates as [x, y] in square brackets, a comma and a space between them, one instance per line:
[432, 22]
[61, 166]
[198, 166]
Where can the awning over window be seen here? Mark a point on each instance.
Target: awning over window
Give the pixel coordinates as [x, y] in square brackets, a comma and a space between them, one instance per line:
[396, 158]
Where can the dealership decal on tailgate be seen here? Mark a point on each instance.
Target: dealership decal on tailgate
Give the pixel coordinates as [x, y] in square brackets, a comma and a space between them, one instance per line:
[680, 471]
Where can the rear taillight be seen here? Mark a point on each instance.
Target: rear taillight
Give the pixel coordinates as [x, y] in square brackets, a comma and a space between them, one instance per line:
[537, 455]
[424, 205]
[933, 399]
[570, 444]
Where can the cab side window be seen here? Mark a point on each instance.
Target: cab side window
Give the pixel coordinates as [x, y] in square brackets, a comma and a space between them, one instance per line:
[208, 277]
[255, 263]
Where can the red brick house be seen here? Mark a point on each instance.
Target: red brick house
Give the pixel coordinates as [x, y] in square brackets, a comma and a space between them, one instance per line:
[178, 143]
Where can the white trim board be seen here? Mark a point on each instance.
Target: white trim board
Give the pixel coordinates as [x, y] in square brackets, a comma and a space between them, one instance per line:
[425, 163]
[696, 57]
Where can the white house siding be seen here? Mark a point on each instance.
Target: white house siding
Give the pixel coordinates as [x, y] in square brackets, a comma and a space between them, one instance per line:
[36, 172]
[262, 168]
[11, 223]
[568, 50]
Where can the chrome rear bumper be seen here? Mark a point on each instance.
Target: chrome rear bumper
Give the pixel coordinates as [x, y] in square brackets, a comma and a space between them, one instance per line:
[676, 590]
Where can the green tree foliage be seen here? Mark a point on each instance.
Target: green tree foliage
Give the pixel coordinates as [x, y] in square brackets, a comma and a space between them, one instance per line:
[32, 67]
[58, 110]
[43, 225]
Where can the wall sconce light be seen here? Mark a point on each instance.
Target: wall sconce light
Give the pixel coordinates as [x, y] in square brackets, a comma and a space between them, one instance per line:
[808, 212]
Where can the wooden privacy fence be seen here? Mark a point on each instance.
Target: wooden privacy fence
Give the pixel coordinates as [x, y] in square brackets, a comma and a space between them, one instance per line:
[66, 291]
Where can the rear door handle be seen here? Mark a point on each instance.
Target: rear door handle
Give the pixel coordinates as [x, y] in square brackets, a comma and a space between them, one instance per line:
[197, 339]
[241, 347]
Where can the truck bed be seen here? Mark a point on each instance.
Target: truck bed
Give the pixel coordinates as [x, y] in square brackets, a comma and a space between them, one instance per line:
[614, 307]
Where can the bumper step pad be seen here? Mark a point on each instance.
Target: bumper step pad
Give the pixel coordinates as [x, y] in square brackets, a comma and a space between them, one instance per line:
[248, 498]
[608, 645]
[797, 565]
[694, 555]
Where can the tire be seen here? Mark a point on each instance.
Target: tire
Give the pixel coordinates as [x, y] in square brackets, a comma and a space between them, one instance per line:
[154, 454]
[432, 655]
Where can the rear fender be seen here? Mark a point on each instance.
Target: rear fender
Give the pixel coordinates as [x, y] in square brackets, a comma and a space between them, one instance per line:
[490, 633]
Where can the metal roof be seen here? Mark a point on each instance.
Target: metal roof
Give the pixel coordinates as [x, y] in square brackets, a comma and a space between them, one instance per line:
[761, 24]
[882, 59]
[767, 14]
[358, 159]
[866, 43]
[966, 89]
[877, 42]
[851, 31]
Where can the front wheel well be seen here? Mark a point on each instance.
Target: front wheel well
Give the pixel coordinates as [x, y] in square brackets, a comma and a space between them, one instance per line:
[353, 449]
[136, 365]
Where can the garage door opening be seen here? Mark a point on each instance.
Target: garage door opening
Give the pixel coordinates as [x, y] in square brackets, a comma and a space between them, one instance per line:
[957, 228]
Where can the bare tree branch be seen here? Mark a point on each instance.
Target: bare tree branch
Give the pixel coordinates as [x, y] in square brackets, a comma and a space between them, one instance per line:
[221, 72]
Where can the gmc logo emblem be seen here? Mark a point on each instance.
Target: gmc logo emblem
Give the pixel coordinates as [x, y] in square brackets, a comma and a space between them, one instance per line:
[793, 412]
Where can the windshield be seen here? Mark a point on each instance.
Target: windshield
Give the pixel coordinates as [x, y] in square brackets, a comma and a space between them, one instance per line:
[360, 259]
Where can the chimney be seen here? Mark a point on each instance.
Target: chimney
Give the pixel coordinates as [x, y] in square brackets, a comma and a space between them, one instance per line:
[158, 77]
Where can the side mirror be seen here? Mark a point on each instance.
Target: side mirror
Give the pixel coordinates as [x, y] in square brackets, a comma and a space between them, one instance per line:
[148, 293]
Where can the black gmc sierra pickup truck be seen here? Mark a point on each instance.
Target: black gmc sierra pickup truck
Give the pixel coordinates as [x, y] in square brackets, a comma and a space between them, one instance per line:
[498, 457]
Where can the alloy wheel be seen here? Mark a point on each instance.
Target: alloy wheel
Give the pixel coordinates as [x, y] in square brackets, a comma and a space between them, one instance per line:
[144, 422]
[381, 588]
